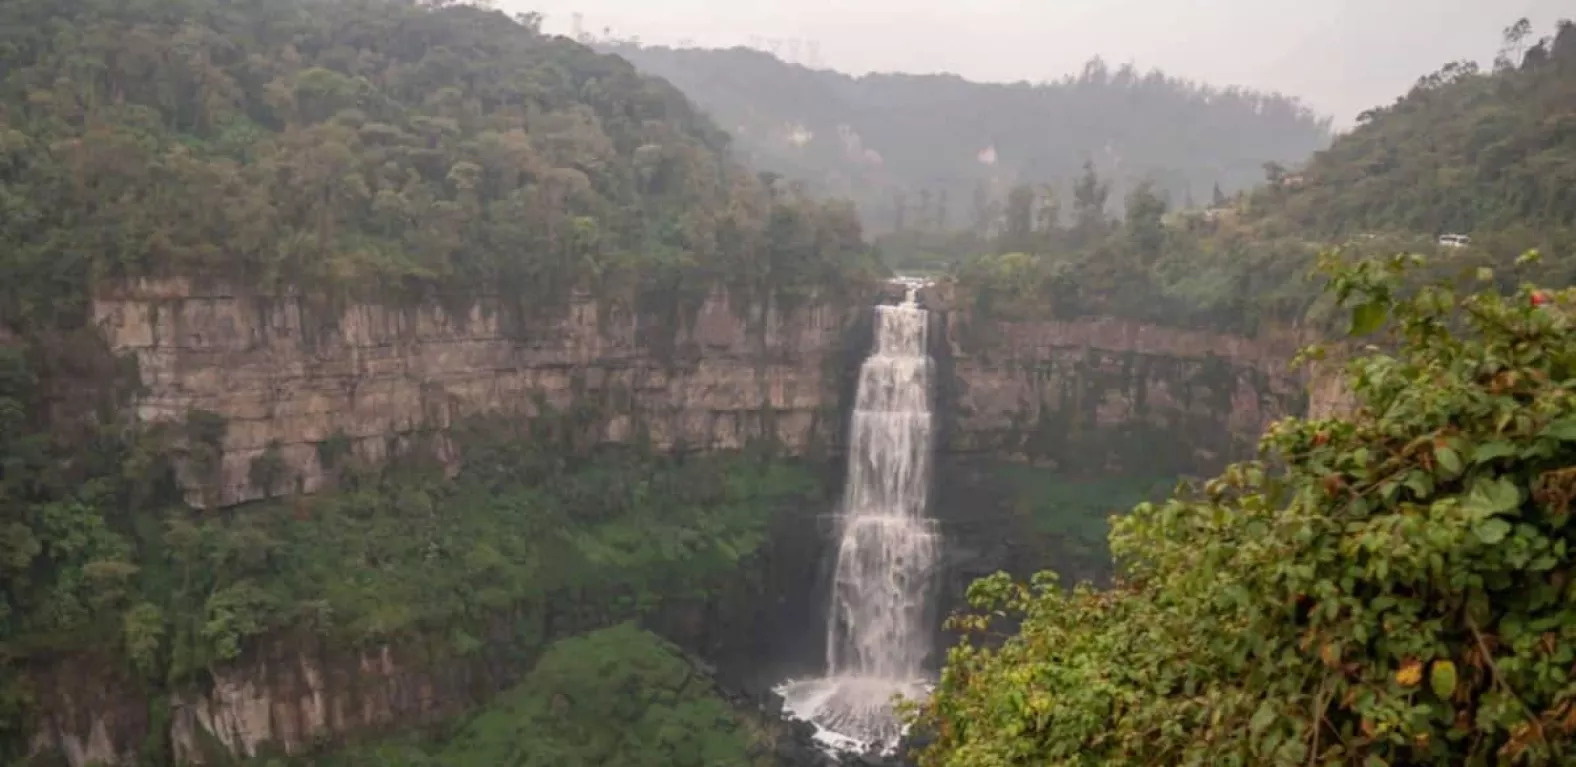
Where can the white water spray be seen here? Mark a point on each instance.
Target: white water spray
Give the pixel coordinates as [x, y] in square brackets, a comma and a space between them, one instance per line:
[877, 632]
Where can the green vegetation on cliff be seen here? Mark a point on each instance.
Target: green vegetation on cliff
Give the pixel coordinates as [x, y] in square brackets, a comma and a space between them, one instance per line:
[1490, 154]
[1391, 587]
[367, 147]
[375, 150]
[908, 148]
[1068, 518]
[617, 696]
[120, 575]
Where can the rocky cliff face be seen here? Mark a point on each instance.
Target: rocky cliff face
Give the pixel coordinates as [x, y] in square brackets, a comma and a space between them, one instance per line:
[1329, 393]
[1079, 400]
[288, 376]
[1107, 395]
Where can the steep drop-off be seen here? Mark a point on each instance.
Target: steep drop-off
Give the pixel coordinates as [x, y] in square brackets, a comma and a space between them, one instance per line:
[1108, 395]
[291, 378]
[1090, 397]
[1048, 427]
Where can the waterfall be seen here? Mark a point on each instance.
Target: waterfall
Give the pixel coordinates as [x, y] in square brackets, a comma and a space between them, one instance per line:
[878, 635]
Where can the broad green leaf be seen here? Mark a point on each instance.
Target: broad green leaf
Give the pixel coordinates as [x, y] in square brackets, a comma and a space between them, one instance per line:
[1368, 317]
[1442, 678]
[1492, 496]
[1262, 719]
[1563, 430]
[1420, 484]
[1493, 530]
[1449, 460]
[1488, 451]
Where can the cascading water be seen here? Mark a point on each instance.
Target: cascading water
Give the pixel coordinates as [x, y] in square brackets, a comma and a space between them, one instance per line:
[877, 632]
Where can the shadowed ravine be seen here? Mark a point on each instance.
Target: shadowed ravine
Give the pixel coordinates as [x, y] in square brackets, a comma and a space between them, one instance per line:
[877, 628]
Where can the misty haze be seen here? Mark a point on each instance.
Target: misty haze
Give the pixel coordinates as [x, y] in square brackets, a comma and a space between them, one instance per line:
[404, 383]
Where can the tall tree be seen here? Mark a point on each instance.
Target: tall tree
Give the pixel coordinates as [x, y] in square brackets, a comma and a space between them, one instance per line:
[1143, 223]
[1018, 229]
[1089, 200]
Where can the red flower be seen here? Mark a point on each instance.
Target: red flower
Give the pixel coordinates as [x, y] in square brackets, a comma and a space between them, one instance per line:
[1539, 298]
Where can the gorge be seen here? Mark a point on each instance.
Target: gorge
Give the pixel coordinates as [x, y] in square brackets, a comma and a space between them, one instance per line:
[394, 383]
[389, 383]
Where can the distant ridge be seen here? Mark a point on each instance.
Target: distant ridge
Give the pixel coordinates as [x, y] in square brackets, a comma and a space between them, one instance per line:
[940, 146]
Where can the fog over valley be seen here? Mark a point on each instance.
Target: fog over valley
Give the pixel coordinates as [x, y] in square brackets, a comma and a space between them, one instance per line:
[1340, 57]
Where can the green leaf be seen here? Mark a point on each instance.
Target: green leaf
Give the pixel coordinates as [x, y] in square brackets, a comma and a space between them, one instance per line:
[1493, 530]
[1492, 496]
[1442, 678]
[1563, 430]
[1262, 719]
[1368, 318]
[1488, 451]
[1420, 484]
[1449, 460]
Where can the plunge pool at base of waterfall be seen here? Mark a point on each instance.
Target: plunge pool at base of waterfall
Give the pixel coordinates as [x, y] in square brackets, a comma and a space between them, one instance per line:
[851, 714]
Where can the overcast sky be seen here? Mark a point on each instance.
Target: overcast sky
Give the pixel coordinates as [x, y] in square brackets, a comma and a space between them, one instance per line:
[1339, 56]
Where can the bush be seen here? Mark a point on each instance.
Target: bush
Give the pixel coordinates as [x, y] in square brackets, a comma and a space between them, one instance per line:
[1391, 587]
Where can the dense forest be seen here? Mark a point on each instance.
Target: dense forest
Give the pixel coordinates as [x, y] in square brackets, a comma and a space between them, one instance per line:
[366, 146]
[1482, 153]
[371, 150]
[940, 151]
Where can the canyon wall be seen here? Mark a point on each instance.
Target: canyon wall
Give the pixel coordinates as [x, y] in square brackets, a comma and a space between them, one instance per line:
[290, 380]
[1106, 395]
[1041, 420]
[289, 377]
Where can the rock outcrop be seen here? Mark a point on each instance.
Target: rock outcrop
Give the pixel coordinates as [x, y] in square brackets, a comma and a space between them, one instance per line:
[287, 376]
[1109, 395]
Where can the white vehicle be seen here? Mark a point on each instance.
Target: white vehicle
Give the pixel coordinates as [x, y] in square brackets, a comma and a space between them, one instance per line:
[1454, 240]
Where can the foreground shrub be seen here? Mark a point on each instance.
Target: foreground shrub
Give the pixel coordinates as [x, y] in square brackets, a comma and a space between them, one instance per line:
[1391, 587]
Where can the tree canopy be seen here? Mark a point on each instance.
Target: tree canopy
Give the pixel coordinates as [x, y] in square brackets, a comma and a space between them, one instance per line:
[1389, 587]
[375, 147]
[1465, 150]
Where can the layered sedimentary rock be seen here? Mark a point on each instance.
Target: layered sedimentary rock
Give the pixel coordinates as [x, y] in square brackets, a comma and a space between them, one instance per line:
[1103, 395]
[286, 377]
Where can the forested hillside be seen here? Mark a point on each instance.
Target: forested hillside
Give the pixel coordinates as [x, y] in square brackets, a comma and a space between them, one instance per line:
[1489, 154]
[368, 145]
[938, 150]
[336, 150]
[1465, 150]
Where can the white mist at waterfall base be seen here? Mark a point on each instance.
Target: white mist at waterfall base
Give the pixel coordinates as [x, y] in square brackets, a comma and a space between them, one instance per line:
[878, 632]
